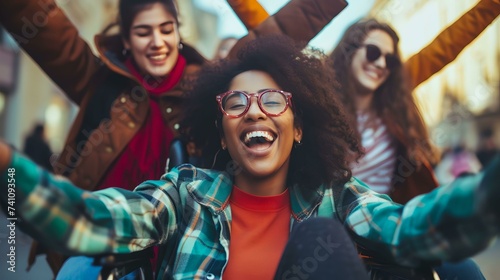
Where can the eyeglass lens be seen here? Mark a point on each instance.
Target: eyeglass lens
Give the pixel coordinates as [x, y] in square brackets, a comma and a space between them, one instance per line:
[373, 53]
[272, 102]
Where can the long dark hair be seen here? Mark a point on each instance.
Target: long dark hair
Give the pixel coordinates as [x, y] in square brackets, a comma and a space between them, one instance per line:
[393, 101]
[329, 143]
[128, 9]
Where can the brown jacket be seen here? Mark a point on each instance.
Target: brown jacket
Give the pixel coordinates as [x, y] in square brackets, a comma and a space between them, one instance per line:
[113, 105]
[451, 41]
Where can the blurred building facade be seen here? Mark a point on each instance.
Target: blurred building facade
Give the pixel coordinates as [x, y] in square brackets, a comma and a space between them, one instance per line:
[463, 99]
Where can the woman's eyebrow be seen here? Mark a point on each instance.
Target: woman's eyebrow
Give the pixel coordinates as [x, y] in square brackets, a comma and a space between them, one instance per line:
[146, 26]
[261, 90]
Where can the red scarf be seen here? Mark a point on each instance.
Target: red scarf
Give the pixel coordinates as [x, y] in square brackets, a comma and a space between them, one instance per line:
[145, 157]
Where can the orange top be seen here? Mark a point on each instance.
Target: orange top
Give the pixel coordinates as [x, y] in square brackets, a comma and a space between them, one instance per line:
[259, 232]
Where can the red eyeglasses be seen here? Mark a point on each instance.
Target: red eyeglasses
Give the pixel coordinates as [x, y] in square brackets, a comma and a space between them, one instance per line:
[373, 53]
[272, 102]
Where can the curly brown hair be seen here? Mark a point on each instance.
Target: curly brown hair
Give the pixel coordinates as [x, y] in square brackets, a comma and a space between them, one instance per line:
[329, 143]
[393, 100]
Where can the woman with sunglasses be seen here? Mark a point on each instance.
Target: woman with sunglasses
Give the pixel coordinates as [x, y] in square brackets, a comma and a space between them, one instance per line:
[398, 154]
[281, 148]
[378, 87]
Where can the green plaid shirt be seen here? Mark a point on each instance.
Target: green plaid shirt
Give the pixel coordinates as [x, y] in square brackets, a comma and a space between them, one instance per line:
[188, 211]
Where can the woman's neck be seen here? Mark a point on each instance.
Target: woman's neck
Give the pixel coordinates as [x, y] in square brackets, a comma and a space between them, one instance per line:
[270, 185]
[363, 102]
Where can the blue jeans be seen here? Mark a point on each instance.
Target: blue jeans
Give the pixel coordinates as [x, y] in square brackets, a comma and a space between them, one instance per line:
[463, 270]
[81, 268]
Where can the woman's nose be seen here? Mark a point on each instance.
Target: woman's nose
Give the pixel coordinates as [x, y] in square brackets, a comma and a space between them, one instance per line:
[254, 112]
[380, 62]
[157, 40]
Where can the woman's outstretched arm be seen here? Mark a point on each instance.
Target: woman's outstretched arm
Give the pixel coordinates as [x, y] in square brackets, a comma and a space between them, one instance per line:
[452, 222]
[451, 41]
[250, 12]
[75, 222]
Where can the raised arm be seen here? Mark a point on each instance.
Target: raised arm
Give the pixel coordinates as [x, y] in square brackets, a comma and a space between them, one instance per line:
[450, 223]
[46, 34]
[299, 19]
[451, 41]
[250, 12]
[73, 221]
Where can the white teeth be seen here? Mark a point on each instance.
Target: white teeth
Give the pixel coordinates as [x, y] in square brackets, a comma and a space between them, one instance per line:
[372, 74]
[263, 134]
[158, 57]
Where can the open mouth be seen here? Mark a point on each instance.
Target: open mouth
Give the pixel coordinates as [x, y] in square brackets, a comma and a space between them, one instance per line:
[374, 73]
[258, 140]
[157, 57]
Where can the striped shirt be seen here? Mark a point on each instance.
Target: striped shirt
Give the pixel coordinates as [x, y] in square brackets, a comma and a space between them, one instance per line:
[188, 211]
[376, 167]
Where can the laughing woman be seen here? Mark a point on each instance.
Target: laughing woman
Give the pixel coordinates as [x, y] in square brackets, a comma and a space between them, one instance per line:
[281, 148]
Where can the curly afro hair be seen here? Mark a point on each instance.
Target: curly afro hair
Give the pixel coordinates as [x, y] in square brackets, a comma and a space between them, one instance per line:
[329, 143]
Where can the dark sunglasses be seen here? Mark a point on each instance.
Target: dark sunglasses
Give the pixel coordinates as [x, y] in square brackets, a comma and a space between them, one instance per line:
[373, 53]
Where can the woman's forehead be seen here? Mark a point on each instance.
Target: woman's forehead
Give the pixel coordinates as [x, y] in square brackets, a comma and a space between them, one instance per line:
[153, 15]
[380, 39]
[253, 81]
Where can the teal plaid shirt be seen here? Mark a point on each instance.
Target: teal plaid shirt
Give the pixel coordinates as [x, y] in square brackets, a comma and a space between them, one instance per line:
[188, 211]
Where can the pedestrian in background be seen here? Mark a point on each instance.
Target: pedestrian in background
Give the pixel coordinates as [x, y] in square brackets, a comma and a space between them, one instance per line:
[37, 148]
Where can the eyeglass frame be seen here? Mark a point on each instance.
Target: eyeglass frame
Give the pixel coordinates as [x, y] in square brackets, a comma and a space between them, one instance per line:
[249, 96]
[394, 56]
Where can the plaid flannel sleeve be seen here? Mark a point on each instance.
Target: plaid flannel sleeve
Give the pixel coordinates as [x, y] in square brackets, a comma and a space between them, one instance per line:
[74, 221]
[450, 223]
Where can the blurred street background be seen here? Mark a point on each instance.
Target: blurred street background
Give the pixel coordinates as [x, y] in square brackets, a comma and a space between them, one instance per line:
[460, 104]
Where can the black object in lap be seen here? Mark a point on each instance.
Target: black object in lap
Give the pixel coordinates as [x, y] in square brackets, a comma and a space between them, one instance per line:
[177, 154]
[320, 248]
